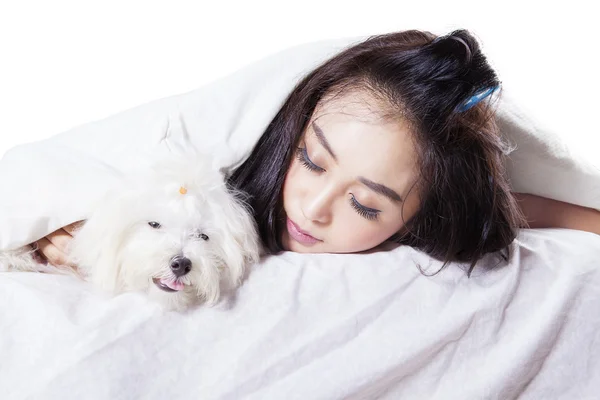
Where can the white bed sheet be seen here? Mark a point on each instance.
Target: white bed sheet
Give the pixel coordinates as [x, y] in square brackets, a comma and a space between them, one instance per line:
[322, 327]
[302, 326]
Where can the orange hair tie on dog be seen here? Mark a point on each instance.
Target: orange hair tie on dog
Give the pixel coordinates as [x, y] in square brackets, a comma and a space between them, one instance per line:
[182, 190]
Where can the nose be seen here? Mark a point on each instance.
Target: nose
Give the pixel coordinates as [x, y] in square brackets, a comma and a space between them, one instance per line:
[317, 205]
[180, 265]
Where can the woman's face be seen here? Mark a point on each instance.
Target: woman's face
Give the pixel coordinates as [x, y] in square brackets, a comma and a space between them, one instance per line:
[347, 189]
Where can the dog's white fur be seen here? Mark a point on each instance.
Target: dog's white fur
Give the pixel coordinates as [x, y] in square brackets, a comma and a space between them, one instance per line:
[118, 250]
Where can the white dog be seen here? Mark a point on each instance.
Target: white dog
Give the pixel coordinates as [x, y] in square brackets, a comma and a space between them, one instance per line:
[176, 232]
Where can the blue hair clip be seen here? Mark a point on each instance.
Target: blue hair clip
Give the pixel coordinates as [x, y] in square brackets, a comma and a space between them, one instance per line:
[476, 99]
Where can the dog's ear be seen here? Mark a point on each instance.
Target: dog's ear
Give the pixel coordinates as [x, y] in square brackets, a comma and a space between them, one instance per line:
[96, 246]
[241, 244]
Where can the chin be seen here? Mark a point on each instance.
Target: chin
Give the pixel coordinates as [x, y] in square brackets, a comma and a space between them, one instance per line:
[174, 232]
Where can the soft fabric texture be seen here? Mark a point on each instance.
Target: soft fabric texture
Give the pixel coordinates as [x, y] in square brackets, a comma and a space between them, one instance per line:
[322, 327]
[302, 326]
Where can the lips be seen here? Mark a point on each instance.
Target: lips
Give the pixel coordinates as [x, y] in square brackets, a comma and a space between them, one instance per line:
[300, 235]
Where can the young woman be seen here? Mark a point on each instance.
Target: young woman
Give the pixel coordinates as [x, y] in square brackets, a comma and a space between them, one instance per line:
[390, 140]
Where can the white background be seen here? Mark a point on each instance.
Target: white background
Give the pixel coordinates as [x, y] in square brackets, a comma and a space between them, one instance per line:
[64, 63]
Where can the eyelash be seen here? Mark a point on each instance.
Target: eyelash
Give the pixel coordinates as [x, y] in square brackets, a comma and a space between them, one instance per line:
[302, 156]
[365, 212]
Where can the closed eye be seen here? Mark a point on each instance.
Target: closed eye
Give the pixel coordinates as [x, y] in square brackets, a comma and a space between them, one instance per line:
[366, 212]
[302, 156]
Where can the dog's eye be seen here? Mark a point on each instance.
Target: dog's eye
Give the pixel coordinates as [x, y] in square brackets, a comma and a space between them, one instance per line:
[200, 235]
[154, 224]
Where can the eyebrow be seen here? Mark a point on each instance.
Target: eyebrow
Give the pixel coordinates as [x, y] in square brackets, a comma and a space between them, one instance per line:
[376, 187]
[323, 140]
[381, 189]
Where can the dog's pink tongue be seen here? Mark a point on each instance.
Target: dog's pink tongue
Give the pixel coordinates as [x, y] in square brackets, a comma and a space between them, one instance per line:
[175, 285]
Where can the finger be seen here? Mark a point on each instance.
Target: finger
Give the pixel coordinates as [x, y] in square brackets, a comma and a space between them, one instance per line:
[36, 254]
[71, 229]
[51, 252]
[61, 239]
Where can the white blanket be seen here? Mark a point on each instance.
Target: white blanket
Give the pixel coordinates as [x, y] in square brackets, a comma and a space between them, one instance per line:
[303, 326]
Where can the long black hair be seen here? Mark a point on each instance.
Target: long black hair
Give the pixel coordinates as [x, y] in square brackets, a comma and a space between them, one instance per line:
[466, 207]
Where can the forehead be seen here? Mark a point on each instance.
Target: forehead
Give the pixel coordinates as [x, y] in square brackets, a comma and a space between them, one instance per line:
[361, 132]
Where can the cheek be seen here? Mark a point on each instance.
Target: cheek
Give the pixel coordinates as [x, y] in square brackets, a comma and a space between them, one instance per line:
[354, 235]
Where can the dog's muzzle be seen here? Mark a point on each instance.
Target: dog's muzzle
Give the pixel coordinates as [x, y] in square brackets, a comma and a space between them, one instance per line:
[180, 266]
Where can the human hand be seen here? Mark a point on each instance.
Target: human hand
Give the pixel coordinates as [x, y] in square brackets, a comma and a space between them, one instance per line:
[54, 248]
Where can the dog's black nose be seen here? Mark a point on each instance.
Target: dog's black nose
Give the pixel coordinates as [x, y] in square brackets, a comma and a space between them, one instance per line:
[180, 265]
